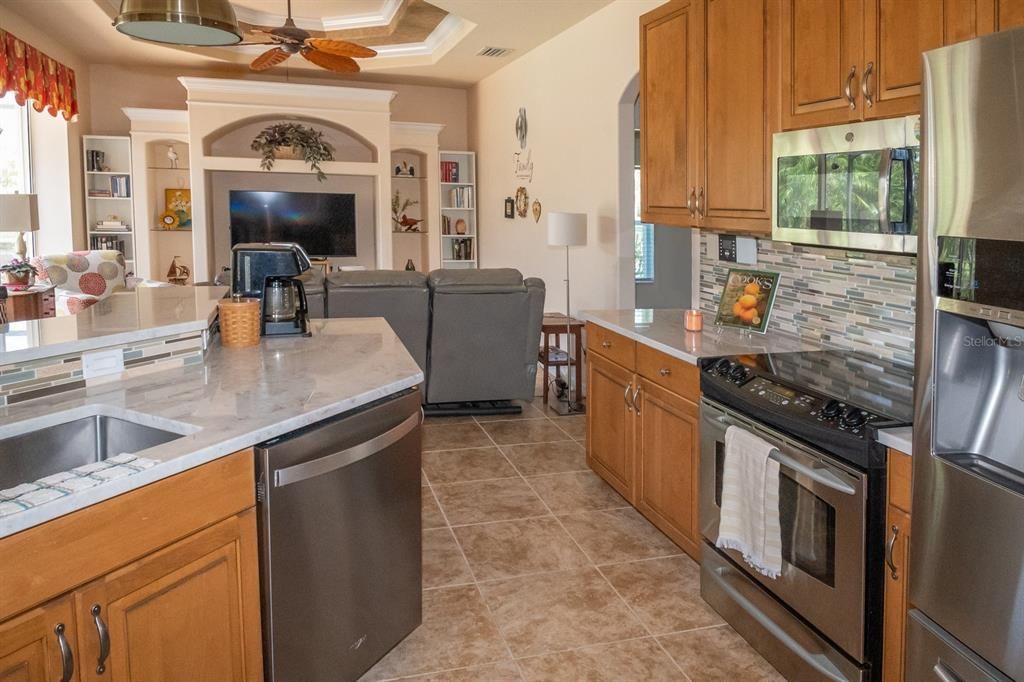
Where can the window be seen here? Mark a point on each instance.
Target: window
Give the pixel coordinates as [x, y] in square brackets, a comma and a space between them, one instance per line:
[14, 165]
[643, 238]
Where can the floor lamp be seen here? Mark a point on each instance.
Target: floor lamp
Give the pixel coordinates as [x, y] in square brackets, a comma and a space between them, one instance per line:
[567, 229]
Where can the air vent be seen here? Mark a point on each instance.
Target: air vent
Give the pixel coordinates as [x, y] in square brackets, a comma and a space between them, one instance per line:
[494, 52]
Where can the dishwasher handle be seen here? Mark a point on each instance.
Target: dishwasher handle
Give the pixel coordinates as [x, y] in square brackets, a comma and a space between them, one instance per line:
[343, 458]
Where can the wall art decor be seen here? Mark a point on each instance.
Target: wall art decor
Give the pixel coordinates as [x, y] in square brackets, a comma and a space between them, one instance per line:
[510, 207]
[522, 202]
[521, 127]
[179, 202]
[536, 210]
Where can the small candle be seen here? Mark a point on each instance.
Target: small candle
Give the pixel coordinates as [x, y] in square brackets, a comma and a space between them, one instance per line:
[693, 320]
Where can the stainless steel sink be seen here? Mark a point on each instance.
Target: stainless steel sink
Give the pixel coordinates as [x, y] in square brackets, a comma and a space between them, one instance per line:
[31, 455]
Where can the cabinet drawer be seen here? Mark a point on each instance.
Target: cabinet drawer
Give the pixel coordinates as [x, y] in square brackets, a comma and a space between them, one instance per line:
[615, 347]
[900, 466]
[676, 375]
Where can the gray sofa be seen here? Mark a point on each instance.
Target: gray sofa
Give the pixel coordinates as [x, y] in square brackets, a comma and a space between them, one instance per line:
[475, 333]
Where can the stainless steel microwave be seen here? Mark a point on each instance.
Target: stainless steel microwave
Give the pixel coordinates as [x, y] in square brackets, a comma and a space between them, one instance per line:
[851, 186]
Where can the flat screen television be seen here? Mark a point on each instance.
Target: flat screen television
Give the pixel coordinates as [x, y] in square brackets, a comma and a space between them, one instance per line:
[322, 224]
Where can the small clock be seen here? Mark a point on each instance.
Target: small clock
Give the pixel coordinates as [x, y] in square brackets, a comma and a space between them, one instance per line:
[169, 220]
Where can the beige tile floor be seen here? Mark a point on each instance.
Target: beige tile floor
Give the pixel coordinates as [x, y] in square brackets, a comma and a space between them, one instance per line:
[535, 569]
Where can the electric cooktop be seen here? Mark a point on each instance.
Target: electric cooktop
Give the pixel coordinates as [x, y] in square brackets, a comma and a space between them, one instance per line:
[833, 400]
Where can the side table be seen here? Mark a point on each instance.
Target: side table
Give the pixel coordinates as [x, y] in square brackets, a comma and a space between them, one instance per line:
[33, 303]
[556, 324]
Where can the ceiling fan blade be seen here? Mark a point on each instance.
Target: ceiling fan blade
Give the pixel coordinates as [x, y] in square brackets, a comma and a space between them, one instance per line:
[342, 48]
[271, 57]
[331, 62]
[269, 42]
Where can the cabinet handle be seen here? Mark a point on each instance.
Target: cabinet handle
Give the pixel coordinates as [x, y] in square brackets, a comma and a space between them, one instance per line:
[664, 371]
[636, 394]
[849, 87]
[104, 635]
[606, 344]
[865, 86]
[700, 203]
[625, 398]
[895, 530]
[690, 200]
[67, 659]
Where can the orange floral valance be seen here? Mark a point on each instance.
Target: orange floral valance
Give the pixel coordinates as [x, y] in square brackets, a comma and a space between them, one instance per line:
[34, 77]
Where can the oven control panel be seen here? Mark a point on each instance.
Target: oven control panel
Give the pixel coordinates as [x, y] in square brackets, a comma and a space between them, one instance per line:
[781, 399]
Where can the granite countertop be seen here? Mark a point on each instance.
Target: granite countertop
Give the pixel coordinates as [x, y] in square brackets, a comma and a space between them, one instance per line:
[122, 318]
[663, 330]
[900, 438]
[238, 398]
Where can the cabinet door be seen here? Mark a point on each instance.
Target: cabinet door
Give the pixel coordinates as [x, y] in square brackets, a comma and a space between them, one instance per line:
[670, 52]
[822, 42]
[668, 453]
[898, 539]
[31, 646]
[998, 15]
[735, 154]
[610, 423]
[189, 612]
[896, 32]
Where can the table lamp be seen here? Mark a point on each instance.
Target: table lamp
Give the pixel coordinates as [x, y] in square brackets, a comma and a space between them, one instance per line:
[19, 213]
[567, 229]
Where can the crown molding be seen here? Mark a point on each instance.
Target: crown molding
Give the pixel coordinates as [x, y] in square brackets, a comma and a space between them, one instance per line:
[296, 95]
[341, 22]
[450, 28]
[136, 114]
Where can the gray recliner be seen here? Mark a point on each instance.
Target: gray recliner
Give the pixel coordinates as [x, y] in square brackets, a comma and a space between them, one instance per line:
[400, 297]
[484, 333]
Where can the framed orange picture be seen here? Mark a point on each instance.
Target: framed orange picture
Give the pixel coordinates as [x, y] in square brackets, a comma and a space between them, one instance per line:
[747, 299]
[179, 202]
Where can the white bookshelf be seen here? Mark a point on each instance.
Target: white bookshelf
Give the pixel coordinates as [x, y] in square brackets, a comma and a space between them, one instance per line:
[109, 193]
[458, 203]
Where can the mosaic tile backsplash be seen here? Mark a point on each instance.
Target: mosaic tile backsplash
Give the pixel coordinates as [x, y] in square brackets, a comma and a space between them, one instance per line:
[847, 299]
[40, 378]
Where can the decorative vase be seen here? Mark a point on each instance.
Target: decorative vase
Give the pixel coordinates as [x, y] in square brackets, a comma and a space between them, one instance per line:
[410, 266]
[286, 154]
[16, 280]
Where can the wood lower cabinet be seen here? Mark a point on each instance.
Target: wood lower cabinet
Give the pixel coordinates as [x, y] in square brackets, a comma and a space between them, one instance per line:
[668, 463]
[142, 597]
[897, 555]
[643, 437]
[610, 423]
[184, 613]
[38, 646]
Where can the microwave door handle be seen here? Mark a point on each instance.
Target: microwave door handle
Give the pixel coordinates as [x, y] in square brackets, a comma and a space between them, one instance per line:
[884, 177]
[903, 156]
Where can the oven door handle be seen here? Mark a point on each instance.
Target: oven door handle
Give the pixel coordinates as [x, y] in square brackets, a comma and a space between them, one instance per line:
[818, 662]
[822, 476]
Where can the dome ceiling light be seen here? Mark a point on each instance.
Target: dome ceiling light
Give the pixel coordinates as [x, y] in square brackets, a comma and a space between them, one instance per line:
[199, 23]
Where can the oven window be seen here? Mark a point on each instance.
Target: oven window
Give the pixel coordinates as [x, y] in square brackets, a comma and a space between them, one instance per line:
[808, 525]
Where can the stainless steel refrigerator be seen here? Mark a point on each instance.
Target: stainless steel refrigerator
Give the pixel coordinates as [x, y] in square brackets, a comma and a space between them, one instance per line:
[967, 537]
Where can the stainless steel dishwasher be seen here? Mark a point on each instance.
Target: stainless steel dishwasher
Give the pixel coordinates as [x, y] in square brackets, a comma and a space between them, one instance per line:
[340, 555]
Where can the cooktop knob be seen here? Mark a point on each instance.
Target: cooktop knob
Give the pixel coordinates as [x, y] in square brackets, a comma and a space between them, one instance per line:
[739, 373]
[723, 366]
[853, 417]
[831, 409]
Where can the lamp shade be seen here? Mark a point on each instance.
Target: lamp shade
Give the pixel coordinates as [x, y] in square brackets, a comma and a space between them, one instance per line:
[19, 213]
[567, 229]
[180, 22]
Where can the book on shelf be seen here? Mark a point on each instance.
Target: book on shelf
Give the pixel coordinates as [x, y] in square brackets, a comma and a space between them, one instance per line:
[449, 171]
[94, 160]
[460, 197]
[446, 224]
[111, 226]
[461, 249]
[106, 244]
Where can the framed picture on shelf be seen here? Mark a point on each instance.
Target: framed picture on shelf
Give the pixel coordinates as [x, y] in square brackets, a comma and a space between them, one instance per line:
[179, 202]
[747, 299]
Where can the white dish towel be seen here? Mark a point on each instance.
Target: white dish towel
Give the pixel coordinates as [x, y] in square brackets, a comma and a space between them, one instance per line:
[750, 502]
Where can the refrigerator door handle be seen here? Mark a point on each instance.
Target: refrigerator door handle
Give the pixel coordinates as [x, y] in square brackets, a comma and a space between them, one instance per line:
[944, 674]
[343, 458]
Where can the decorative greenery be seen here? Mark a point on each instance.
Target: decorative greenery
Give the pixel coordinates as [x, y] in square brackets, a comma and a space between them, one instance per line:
[19, 269]
[303, 140]
[400, 206]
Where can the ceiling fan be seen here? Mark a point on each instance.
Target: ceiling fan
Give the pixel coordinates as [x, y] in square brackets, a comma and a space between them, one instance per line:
[333, 55]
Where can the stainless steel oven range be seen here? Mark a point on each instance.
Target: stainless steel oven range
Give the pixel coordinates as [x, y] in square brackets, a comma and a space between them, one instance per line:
[822, 618]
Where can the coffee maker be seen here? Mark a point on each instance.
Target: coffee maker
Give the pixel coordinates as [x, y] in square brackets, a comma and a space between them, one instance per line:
[270, 273]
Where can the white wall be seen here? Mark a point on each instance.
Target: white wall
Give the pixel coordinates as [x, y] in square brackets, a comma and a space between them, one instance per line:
[573, 89]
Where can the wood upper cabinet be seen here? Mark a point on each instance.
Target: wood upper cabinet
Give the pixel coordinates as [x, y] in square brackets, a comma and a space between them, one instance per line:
[40, 645]
[610, 423]
[668, 463]
[998, 15]
[738, 116]
[187, 612]
[670, 48]
[821, 49]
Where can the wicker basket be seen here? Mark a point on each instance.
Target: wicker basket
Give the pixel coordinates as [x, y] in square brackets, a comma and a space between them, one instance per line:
[239, 322]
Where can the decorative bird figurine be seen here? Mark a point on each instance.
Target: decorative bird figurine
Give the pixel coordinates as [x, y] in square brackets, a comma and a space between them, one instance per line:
[410, 224]
[172, 156]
